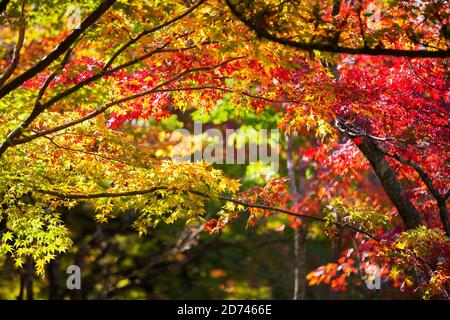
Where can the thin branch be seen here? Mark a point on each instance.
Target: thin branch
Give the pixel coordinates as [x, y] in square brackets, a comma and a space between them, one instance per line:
[440, 199]
[39, 108]
[298, 215]
[60, 127]
[207, 87]
[18, 46]
[97, 76]
[342, 126]
[102, 194]
[86, 152]
[52, 76]
[161, 49]
[59, 50]
[116, 102]
[423, 175]
[149, 31]
[201, 194]
[423, 80]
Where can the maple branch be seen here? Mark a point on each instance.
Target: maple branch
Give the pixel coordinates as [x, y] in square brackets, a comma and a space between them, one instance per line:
[116, 102]
[342, 126]
[59, 50]
[103, 73]
[101, 194]
[17, 47]
[299, 215]
[39, 108]
[51, 77]
[423, 80]
[62, 48]
[385, 175]
[99, 75]
[262, 33]
[149, 31]
[201, 194]
[440, 199]
[423, 175]
[59, 128]
[86, 152]
[227, 90]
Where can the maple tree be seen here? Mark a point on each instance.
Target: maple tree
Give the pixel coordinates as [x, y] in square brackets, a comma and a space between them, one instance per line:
[363, 105]
[381, 103]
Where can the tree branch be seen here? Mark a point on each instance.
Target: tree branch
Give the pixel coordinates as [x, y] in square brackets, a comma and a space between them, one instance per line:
[61, 49]
[440, 199]
[298, 215]
[39, 108]
[51, 77]
[423, 175]
[335, 48]
[18, 46]
[207, 87]
[386, 176]
[102, 194]
[424, 81]
[113, 103]
[97, 76]
[342, 126]
[149, 31]
[201, 194]
[160, 49]
[86, 152]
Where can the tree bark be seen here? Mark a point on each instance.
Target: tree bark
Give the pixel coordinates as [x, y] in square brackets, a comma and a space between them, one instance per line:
[299, 232]
[300, 263]
[26, 280]
[391, 185]
[53, 280]
[443, 213]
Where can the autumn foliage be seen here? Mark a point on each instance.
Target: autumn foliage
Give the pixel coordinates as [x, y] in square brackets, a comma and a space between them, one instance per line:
[359, 90]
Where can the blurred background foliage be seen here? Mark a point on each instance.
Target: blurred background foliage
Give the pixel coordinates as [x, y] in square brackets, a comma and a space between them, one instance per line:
[185, 262]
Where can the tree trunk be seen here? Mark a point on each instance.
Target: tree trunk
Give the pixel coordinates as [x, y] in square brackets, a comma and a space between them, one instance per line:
[443, 213]
[26, 280]
[53, 280]
[300, 263]
[299, 232]
[391, 186]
